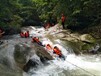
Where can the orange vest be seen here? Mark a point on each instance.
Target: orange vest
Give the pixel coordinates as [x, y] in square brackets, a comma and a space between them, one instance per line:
[36, 39]
[22, 34]
[63, 18]
[57, 51]
[49, 47]
[27, 34]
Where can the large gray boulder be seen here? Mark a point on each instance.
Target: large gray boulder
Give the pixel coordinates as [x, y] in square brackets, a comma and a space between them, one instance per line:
[23, 53]
[41, 52]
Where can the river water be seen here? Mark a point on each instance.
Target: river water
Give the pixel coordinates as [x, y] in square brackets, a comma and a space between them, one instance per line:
[81, 65]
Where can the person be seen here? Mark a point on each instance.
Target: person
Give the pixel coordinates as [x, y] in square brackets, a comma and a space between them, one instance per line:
[63, 18]
[1, 32]
[26, 34]
[35, 39]
[47, 25]
[58, 52]
[22, 34]
[48, 47]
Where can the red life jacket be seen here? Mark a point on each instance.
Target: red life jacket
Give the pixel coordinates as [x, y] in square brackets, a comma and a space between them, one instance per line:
[27, 34]
[48, 47]
[35, 39]
[63, 18]
[57, 51]
[22, 34]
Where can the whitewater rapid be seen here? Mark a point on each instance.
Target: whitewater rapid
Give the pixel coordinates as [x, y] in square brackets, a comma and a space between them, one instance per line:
[82, 65]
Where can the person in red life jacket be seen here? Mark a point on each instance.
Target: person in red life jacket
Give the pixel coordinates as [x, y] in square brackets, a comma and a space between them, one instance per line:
[48, 47]
[57, 51]
[63, 18]
[26, 34]
[48, 25]
[35, 39]
[22, 34]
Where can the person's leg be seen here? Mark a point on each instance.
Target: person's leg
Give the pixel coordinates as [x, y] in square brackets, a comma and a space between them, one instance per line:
[63, 25]
[40, 43]
[62, 56]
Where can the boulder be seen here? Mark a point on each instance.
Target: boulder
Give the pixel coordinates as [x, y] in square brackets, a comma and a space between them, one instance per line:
[87, 38]
[34, 61]
[60, 35]
[23, 54]
[41, 52]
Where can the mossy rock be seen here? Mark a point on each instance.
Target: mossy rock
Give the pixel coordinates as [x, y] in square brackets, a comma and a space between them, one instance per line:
[87, 38]
[86, 47]
[76, 46]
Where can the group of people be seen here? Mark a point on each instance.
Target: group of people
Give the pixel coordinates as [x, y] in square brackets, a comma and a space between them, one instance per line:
[24, 34]
[55, 49]
[52, 22]
[48, 47]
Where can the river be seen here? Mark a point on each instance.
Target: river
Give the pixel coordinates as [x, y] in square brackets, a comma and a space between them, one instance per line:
[74, 65]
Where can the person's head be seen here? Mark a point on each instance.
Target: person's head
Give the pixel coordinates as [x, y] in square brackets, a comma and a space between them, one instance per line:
[28, 31]
[55, 47]
[33, 37]
[48, 45]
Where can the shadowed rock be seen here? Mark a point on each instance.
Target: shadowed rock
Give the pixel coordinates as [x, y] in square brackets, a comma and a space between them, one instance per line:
[41, 52]
[23, 54]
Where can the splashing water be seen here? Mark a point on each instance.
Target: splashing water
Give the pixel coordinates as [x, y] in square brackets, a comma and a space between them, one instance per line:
[72, 66]
[83, 65]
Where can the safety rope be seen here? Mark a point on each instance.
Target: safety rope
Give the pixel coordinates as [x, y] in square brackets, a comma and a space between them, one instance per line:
[82, 69]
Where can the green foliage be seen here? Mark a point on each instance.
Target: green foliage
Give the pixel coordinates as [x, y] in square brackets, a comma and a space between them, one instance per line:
[15, 13]
[79, 13]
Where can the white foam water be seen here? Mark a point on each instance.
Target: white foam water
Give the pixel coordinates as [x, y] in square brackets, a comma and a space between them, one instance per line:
[72, 66]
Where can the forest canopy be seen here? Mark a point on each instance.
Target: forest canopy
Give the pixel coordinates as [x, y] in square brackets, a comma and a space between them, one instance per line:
[79, 13]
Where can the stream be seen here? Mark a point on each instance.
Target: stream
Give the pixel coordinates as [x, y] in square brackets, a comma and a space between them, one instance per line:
[73, 65]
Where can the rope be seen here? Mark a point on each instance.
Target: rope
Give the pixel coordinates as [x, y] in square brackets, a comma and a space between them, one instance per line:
[82, 69]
